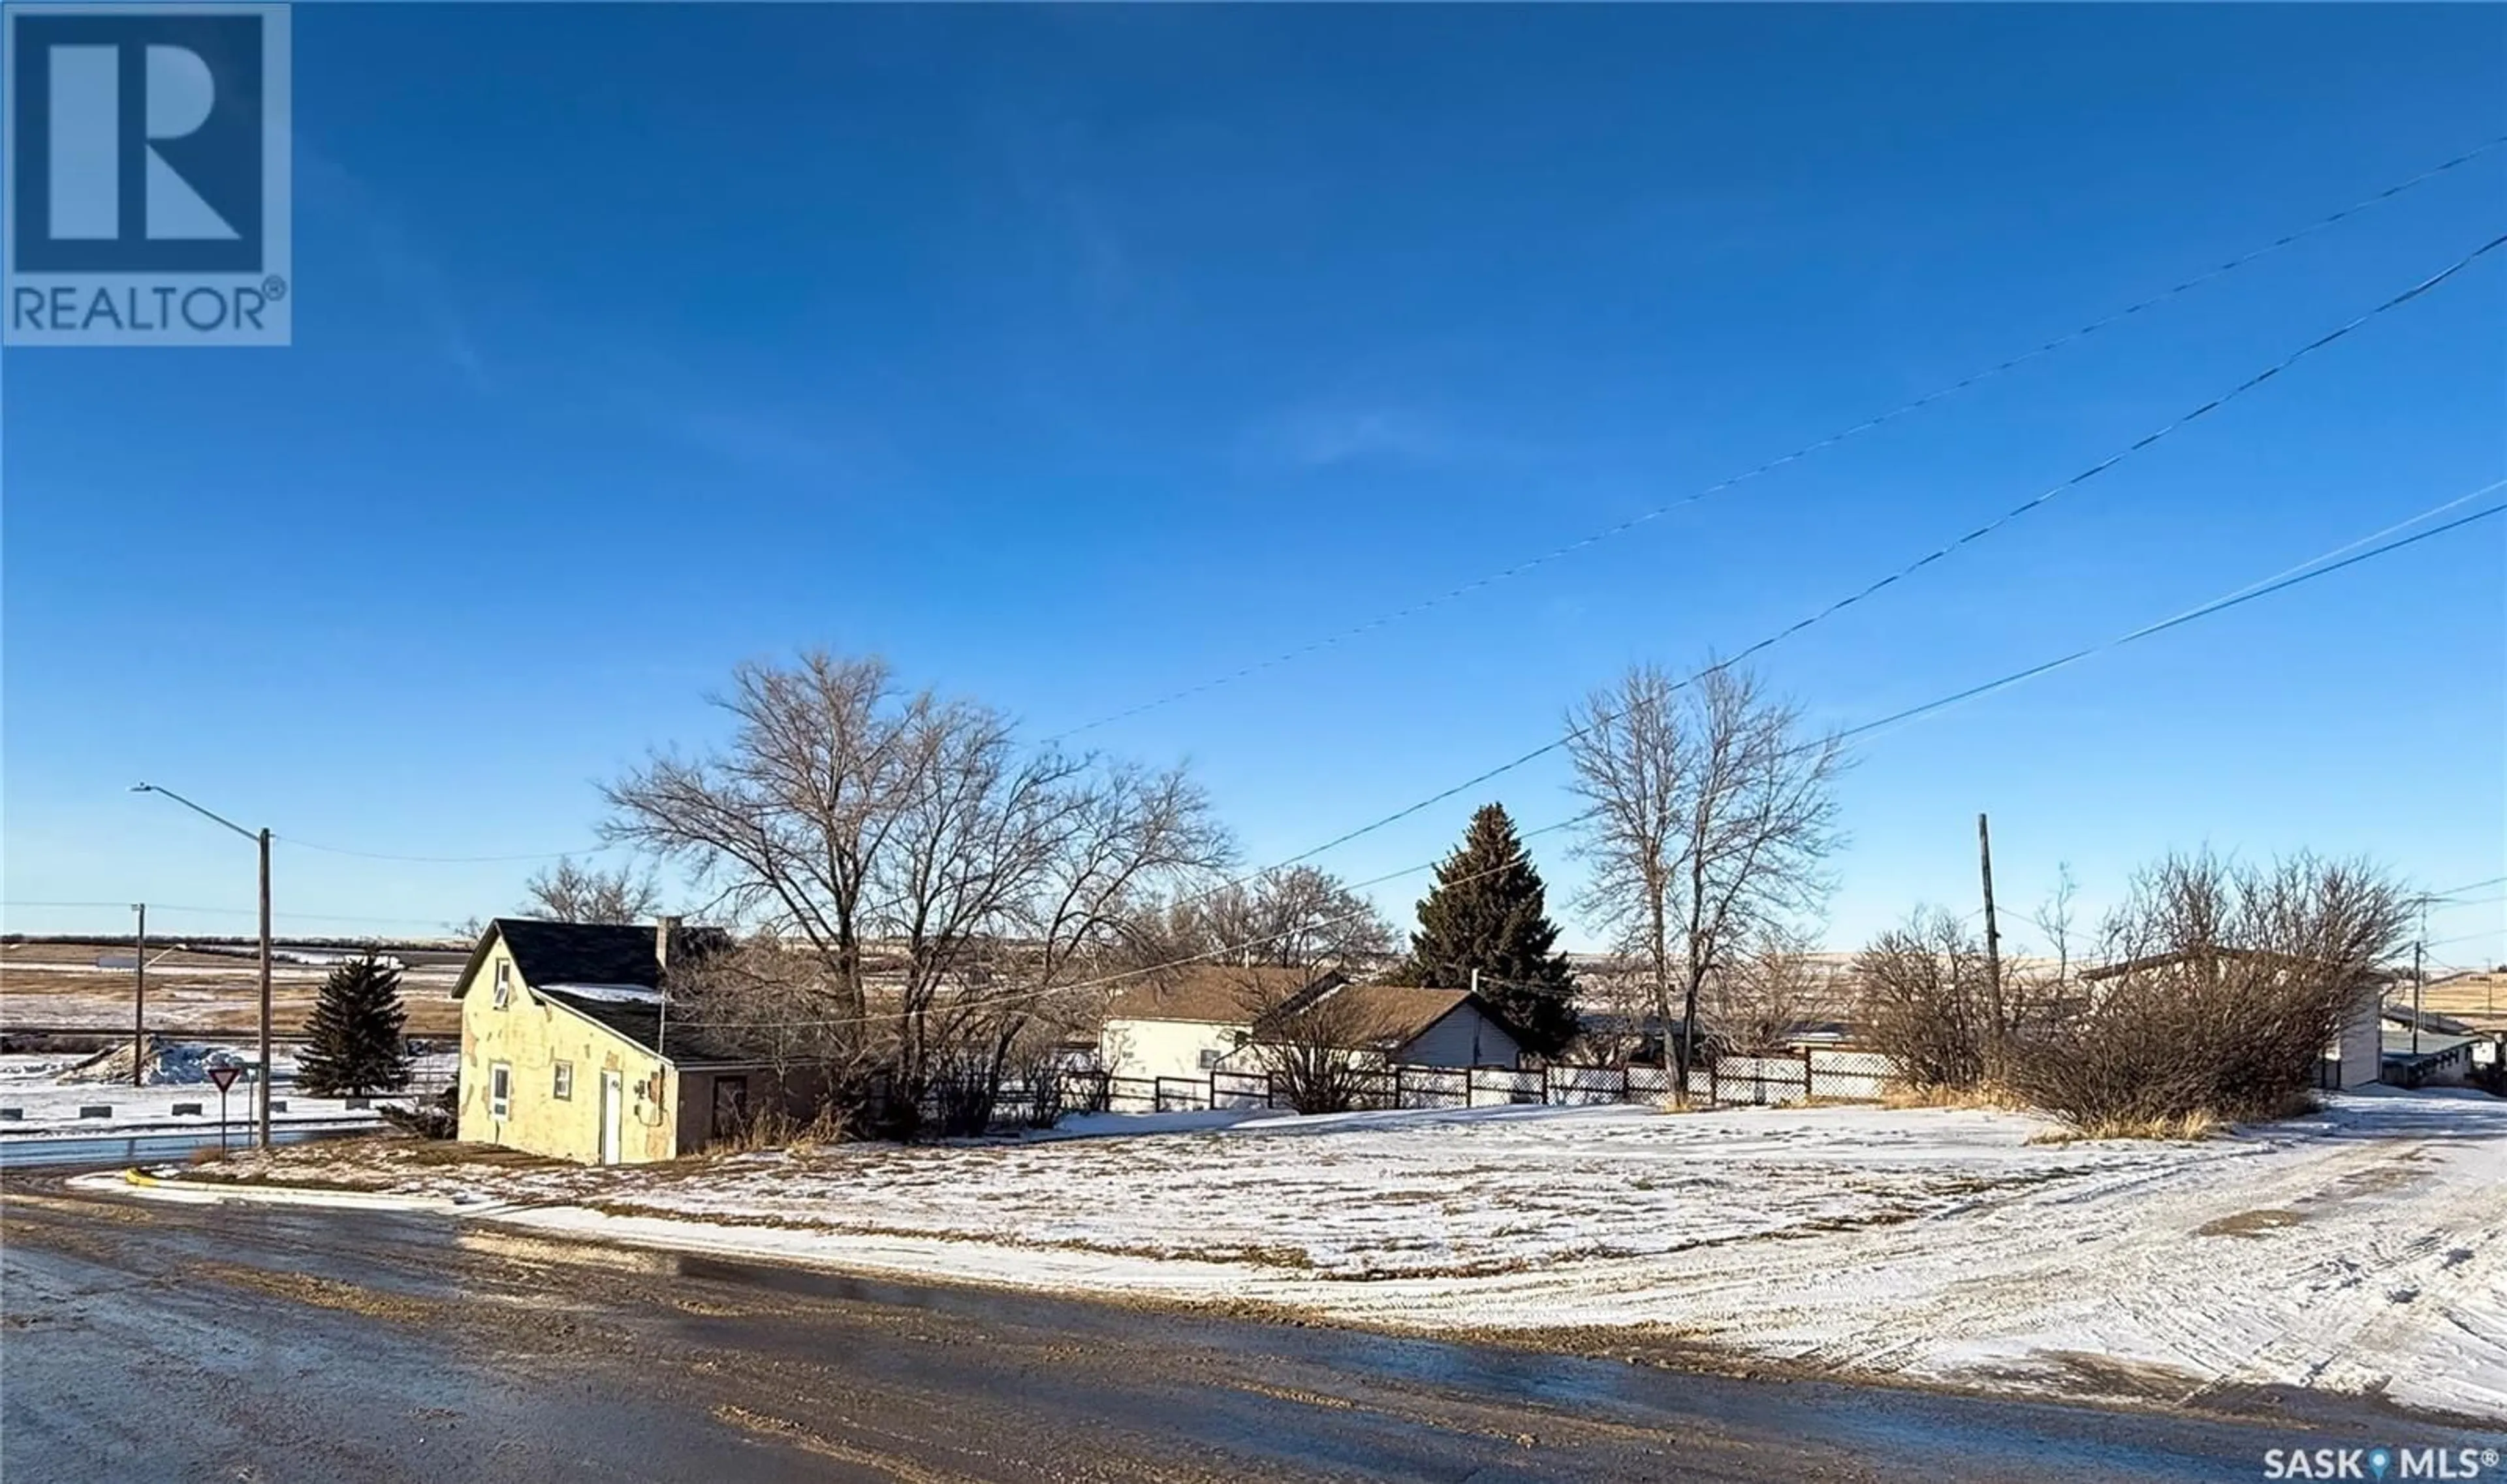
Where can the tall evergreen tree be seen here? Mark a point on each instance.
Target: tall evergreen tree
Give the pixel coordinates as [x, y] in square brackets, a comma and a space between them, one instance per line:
[1489, 911]
[356, 1040]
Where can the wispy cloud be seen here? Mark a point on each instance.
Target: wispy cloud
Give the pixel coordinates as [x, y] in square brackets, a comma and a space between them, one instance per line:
[1316, 438]
[410, 273]
[755, 440]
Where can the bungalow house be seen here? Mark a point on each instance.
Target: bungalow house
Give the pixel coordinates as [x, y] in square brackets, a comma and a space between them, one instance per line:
[1397, 1025]
[1183, 1025]
[1207, 1019]
[566, 1049]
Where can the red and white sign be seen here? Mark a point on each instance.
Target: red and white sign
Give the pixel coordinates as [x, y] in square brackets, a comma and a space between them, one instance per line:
[224, 1076]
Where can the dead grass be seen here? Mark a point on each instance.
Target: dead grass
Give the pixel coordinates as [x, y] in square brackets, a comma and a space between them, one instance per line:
[1988, 1097]
[773, 1129]
[2249, 1223]
[2179, 1128]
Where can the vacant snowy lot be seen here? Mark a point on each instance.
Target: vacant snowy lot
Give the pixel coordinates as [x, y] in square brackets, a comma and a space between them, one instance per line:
[2363, 1249]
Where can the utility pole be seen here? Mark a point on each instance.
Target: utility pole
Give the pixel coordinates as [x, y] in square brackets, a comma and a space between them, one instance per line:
[263, 1081]
[2418, 975]
[140, 998]
[2420, 971]
[1992, 934]
[260, 837]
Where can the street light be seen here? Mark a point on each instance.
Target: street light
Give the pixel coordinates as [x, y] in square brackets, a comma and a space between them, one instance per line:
[262, 838]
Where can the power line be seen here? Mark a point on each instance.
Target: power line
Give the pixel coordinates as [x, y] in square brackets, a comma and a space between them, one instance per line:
[2245, 595]
[1939, 553]
[234, 912]
[1870, 589]
[2470, 885]
[2466, 937]
[1623, 527]
[333, 850]
[2306, 572]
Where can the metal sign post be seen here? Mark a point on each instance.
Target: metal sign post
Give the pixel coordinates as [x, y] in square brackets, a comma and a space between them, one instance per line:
[224, 1078]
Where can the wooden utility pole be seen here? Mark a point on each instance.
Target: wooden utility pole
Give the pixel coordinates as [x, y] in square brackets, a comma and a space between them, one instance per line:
[264, 1082]
[1992, 934]
[2418, 979]
[140, 1000]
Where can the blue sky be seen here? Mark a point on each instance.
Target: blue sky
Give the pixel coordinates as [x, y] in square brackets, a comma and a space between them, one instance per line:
[1071, 357]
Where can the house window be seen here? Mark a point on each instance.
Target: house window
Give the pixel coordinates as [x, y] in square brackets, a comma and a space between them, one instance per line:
[1210, 1056]
[562, 1086]
[504, 982]
[500, 1090]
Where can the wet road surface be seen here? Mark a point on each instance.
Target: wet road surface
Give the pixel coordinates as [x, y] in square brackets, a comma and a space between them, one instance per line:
[145, 1341]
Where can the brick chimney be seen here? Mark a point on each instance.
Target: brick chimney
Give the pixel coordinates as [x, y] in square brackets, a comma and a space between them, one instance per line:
[664, 930]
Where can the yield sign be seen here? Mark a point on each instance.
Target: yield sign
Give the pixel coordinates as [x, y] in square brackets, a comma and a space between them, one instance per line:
[224, 1076]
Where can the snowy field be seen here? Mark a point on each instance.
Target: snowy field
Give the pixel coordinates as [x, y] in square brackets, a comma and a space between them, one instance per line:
[49, 1105]
[2363, 1249]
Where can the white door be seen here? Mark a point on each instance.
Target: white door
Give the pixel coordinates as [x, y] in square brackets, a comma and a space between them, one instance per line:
[613, 1116]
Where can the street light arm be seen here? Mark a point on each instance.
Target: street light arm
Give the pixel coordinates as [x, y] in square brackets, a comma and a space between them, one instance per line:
[196, 808]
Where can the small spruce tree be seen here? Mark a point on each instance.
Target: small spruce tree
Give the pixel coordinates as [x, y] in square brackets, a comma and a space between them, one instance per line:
[1489, 911]
[356, 1033]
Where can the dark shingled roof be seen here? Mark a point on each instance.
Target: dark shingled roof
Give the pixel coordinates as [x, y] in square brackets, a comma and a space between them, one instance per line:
[550, 956]
[581, 952]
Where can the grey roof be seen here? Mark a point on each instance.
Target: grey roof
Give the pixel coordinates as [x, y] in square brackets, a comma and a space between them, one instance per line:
[2398, 1045]
[2429, 1020]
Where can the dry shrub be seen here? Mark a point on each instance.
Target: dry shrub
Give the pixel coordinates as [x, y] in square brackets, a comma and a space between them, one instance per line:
[1929, 1005]
[772, 1128]
[208, 1154]
[1985, 1094]
[2223, 988]
[2182, 1128]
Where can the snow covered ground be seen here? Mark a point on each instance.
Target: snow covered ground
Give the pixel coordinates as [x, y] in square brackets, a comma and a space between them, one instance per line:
[2363, 1249]
[48, 1106]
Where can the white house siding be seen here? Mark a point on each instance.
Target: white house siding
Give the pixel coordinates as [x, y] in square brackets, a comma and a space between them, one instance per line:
[1164, 1048]
[2361, 1047]
[1464, 1037]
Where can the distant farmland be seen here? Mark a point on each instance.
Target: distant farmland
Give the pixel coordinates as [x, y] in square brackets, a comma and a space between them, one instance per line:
[64, 982]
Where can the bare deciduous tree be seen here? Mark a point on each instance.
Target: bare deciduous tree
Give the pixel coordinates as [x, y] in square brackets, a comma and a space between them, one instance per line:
[1711, 816]
[1769, 990]
[570, 892]
[2054, 918]
[1924, 999]
[1291, 939]
[847, 819]
[1299, 916]
[1319, 1049]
